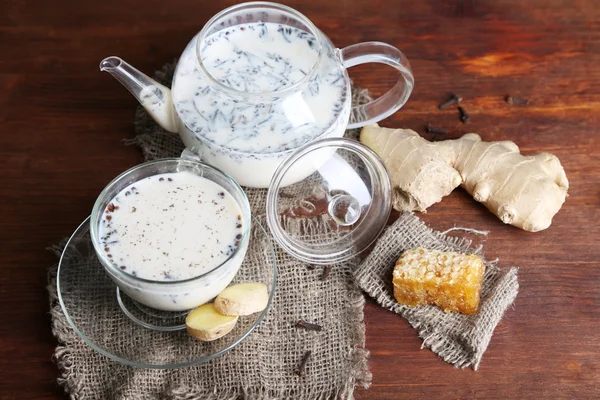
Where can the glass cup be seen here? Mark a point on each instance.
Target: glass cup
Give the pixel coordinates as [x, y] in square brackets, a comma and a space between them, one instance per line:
[183, 294]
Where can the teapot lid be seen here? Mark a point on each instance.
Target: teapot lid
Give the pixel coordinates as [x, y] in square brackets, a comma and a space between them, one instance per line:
[329, 200]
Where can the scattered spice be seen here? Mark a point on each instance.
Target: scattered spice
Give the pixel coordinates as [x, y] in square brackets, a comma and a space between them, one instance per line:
[238, 236]
[110, 207]
[108, 217]
[300, 369]
[326, 272]
[308, 326]
[433, 129]
[123, 267]
[170, 179]
[161, 179]
[454, 100]
[515, 100]
[464, 117]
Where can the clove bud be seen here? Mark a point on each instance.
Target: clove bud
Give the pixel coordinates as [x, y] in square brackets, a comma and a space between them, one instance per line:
[454, 100]
[326, 272]
[308, 326]
[464, 117]
[432, 129]
[515, 100]
[300, 369]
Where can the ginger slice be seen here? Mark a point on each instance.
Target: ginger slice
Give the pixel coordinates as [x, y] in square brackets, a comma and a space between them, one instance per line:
[242, 299]
[206, 323]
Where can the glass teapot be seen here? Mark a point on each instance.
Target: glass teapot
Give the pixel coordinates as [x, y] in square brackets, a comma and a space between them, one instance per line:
[258, 82]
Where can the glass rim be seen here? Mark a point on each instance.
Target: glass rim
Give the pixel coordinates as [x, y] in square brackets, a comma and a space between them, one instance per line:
[272, 6]
[245, 207]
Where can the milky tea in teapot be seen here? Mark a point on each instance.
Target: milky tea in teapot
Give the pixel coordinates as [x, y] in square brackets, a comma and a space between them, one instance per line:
[259, 58]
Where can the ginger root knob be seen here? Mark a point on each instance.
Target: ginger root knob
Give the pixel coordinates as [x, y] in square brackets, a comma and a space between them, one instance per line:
[524, 191]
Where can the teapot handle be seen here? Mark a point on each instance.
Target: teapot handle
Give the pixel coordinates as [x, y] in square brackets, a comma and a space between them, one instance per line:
[390, 102]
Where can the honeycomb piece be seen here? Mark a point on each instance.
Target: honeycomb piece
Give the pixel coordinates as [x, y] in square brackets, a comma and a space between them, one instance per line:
[451, 281]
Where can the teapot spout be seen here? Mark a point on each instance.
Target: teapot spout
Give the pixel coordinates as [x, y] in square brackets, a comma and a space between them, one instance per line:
[155, 98]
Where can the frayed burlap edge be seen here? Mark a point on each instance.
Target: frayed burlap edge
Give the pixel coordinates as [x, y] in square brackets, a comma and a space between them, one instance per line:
[61, 330]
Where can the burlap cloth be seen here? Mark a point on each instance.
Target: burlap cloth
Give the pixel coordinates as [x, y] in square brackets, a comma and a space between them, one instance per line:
[262, 366]
[458, 339]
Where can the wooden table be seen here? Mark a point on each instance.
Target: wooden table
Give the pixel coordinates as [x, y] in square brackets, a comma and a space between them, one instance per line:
[63, 123]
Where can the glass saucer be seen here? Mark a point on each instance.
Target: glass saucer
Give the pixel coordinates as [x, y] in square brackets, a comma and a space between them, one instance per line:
[133, 334]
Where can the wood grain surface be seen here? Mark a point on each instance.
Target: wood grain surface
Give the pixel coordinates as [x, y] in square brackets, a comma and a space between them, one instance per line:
[61, 141]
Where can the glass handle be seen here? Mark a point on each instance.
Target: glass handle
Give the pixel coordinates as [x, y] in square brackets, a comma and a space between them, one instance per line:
[390, 102]
[192, 153]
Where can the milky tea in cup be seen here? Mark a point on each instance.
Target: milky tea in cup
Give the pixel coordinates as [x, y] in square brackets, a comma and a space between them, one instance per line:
[172, 240]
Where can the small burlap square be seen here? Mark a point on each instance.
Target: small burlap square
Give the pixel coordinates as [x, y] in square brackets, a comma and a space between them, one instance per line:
[262, 366]
[457, 338]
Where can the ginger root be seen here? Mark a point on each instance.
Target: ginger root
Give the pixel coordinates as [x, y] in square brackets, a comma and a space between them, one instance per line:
[420, 175]
[524, 191]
